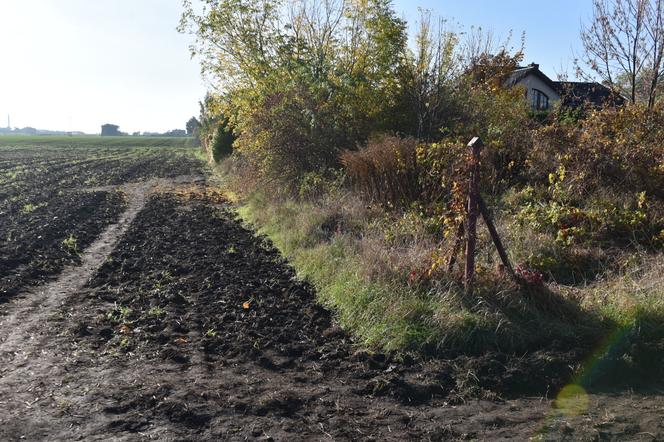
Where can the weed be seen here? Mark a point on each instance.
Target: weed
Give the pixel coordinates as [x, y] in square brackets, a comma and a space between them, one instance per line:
[119, 314]
[64, 404]
[164, 278]
[125, 343]
[28, 208]
[70, 245]
[157, 312]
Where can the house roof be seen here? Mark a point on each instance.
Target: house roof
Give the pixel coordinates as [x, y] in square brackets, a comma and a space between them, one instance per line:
[522, 72]
[573, 94]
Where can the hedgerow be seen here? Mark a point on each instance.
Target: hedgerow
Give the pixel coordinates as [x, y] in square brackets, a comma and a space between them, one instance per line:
[335, 116]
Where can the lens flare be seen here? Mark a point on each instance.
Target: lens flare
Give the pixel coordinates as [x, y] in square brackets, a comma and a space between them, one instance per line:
[572, 400]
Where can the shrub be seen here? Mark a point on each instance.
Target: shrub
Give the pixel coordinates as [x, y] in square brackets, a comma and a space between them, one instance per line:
[291, 133]
[622, 148]
[386, 170]
[222, 140]
[497, 114]
[446, 170]
[315, 185]
[402, 172]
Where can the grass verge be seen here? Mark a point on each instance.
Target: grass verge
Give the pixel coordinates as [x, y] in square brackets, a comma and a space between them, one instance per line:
[361, 260]
[387, 312]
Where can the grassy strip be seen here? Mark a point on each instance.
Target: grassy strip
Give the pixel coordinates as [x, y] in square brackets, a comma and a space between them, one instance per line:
[634, 300]
[375, 311]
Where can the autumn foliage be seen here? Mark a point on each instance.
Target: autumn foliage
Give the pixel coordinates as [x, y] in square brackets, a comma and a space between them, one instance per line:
[351, 146]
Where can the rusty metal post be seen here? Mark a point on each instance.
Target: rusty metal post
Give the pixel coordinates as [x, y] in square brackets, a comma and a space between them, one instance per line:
[471, 229]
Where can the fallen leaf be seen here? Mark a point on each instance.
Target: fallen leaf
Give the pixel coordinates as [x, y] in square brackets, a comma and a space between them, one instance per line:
[180, 340]
[246, 305]
[125, 329]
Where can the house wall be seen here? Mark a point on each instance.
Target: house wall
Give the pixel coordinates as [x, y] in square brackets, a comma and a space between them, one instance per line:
[531, 82]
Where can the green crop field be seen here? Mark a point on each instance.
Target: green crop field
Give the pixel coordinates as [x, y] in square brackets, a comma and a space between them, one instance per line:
[94, 141]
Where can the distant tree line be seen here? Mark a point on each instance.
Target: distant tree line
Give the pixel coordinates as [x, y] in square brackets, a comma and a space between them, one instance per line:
[110, 130]
[32, 131]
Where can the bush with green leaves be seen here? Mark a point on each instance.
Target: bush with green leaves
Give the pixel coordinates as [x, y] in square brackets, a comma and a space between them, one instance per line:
[221, 143]
[301, 80]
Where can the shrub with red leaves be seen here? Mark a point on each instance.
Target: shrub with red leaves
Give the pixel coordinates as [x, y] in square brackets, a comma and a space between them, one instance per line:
[530, 276]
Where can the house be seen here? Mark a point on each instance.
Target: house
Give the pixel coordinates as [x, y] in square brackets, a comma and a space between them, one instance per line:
[542, 92]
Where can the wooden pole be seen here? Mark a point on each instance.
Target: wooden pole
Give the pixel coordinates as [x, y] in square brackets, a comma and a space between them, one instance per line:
[496, 239]
[471, 228]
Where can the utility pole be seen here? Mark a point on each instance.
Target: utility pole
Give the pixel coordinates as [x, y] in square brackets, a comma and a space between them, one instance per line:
[9, 127]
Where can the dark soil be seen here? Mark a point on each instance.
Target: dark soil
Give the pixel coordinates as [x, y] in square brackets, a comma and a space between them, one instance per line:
[189, 268]
[32, 248]
[46, 198]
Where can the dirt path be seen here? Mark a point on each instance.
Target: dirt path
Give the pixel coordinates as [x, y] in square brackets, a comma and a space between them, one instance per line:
[23, 320]
[181, 324]
[31, 358]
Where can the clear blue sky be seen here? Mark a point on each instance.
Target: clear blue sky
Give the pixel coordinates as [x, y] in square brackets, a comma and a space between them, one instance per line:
[76, 64]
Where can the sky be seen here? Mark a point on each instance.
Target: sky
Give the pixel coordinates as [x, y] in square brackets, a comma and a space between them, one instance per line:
[551, 28]
[77, 64]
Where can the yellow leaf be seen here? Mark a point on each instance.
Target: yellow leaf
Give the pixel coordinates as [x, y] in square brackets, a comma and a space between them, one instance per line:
[125, 329]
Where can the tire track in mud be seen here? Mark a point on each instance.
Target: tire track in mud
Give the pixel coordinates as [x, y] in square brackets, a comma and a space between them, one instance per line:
[24, 318]
[30, 359]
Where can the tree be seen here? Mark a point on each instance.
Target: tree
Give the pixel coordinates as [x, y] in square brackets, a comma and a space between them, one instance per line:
[301, 80]
[175, 133]
[428, 75]
[192, 125]
[222, 139]
[624, 46]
